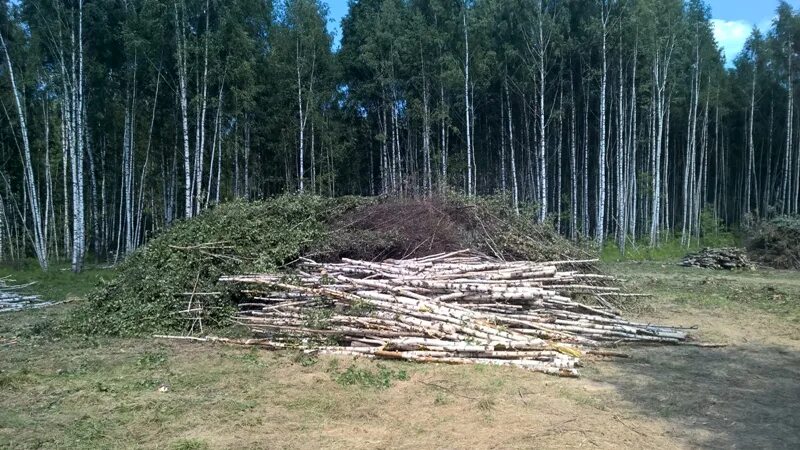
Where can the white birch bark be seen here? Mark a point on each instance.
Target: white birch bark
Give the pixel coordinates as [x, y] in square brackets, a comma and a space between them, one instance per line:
[427, 180]
[302, 126]
[750, 144]
[502, 146]
[181, 57]
[541, 52]
[200, 141]
[660, 75]
[787, 184]
[443, 142]
[467, 106]
[620, 184]
[40, 247]
[573, 198]
[585, 209]
[601, 160]
[76, 156]
[214, 146]
[512, 156]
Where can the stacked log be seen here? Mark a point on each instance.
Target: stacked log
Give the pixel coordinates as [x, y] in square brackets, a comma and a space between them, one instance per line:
[718, 258]
[12, 300]
[454, 308]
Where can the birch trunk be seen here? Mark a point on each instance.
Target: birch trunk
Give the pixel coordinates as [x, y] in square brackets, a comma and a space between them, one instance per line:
[301, 142]
[514, 186]
[542, 159]
[181, 58]
[200, 144]
[39, 245]
[573, 198]
[601, 160]
[787, 184]
[660, 75]
[467, 105]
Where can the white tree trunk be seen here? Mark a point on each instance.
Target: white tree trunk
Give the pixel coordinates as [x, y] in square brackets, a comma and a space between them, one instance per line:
[181, 56]
[601, 163]
[573, 198]
[467, 106]
[302, 126]
[512, 156]
[39, 245]
[750, 144]
[542, 157]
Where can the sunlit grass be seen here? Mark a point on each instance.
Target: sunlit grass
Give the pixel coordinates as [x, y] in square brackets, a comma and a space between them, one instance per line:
[59, 282]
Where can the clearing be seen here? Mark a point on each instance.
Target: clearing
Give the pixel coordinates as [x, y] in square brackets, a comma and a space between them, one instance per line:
[58, 392]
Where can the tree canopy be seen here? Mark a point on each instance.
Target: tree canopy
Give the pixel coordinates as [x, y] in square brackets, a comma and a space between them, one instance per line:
[612, 119]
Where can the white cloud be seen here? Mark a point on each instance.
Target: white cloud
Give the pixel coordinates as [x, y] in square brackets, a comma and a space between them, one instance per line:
[731, 36]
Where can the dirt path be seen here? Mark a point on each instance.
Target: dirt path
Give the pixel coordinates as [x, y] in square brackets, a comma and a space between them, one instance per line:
[741, 396]
[744, 395]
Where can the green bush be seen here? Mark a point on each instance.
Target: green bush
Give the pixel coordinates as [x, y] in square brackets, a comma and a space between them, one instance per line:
[236, 237]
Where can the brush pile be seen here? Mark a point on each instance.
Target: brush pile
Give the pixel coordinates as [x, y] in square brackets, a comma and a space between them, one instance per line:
[718, 258]
[458, 308]
[776, 242]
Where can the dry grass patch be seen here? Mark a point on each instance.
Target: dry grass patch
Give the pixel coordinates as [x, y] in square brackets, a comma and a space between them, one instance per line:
[58, 392]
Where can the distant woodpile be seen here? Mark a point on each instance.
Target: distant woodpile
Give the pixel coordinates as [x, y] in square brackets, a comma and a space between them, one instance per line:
[718, 258]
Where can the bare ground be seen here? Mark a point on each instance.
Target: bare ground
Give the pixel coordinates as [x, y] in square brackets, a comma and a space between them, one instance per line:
[105, 392]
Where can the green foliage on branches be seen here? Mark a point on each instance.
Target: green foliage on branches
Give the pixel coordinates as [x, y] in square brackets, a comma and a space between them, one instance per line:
[237, 237]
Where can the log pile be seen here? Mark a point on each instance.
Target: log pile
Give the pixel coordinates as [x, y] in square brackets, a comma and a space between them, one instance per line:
[718, 258]
[12, 300]
[455, 308]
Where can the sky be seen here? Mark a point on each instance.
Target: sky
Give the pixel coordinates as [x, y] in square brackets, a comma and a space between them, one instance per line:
[337, 9]
[732, 21]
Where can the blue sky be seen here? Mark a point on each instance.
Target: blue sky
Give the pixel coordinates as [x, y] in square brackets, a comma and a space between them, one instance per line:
[732, 20]
[337, 10]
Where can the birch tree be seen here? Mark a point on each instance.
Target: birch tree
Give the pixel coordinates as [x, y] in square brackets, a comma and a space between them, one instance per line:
[38, 240]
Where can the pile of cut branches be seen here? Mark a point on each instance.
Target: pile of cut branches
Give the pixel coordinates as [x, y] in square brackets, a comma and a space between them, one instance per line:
[718, 258]
[776, 242]
[458, 308]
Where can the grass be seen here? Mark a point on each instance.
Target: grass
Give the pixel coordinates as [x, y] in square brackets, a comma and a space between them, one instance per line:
[97, 393]
[58, 283]
[382, 377]
[774, 292]
[64, 391]
[670, 249]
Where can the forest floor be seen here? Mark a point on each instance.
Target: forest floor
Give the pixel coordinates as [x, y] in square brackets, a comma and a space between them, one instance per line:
[102, 392]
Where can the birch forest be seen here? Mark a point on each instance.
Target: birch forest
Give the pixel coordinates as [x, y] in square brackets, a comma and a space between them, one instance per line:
[616, 121]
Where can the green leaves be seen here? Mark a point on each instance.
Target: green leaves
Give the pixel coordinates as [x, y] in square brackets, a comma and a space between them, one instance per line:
[154, 284]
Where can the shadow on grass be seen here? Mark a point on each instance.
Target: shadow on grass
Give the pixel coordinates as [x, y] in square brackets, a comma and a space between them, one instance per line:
[732, 397]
